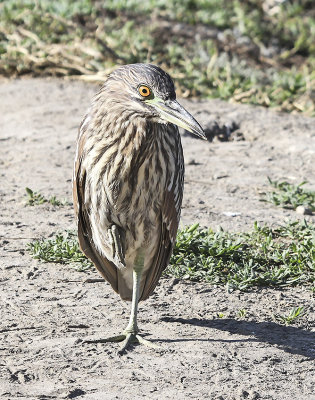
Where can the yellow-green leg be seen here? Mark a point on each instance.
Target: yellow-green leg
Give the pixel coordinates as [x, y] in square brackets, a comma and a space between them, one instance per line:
[131, 331]
[130, 334]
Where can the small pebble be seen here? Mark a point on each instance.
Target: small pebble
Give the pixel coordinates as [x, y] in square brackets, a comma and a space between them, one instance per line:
[303, 210]
[220, 176]
[192, 161]
[231, 214]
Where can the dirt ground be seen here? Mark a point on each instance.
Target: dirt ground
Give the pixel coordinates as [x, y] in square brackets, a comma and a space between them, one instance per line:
[48, 310]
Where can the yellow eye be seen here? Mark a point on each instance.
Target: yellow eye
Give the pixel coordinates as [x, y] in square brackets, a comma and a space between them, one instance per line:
[145, 91]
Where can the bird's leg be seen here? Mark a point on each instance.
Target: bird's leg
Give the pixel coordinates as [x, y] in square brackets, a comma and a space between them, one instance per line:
[131, 330]
[116, 236]
[130, 334]
[132, 327]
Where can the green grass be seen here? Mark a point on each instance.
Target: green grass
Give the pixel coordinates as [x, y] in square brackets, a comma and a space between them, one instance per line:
[288, 319]
[264, 257]
[62, 249]
[36, 198]
[242, 313]
[275, 257]
[290, 196]
[228, 49]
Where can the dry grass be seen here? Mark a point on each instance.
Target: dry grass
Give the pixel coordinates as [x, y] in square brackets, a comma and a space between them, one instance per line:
[245, 51]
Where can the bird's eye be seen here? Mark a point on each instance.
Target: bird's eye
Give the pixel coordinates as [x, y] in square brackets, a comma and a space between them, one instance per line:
[145, 91]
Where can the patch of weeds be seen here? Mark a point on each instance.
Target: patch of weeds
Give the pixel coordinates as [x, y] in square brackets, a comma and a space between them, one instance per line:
[220, 315]
[276, 257]
[63, 249]
[36, 198]
[242, 313]
[290, 196]
[291, 317]
[267, 256]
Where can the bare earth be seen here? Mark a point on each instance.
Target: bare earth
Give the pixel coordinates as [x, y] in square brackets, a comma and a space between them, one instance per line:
[48, 310]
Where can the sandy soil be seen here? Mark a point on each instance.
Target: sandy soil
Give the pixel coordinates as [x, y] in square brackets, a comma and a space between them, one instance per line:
[48, 310]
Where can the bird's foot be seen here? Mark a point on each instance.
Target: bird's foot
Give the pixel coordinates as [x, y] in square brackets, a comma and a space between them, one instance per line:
[127, 339]
[131, 339]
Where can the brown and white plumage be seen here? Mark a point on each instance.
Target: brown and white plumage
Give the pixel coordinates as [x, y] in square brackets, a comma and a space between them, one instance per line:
[128, 177]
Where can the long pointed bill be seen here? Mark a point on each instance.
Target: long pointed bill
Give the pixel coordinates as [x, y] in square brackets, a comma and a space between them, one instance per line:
[172, 111]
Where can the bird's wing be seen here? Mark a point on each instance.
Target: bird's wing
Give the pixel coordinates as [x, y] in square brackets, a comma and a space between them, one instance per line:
[169, 221]
[105, 267]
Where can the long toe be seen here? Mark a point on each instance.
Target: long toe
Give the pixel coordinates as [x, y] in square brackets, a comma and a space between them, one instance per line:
[118, 338]
[130, 340]
[146, 342]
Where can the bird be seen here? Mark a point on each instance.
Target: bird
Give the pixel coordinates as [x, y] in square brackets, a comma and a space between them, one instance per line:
[128, 183]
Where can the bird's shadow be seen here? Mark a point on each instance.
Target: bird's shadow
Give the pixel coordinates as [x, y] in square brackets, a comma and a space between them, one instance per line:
[290, 339]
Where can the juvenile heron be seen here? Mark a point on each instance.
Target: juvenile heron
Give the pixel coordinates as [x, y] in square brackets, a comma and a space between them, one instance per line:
[128, 182]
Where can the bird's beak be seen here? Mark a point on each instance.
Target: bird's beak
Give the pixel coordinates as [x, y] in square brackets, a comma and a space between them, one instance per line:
[172, 111]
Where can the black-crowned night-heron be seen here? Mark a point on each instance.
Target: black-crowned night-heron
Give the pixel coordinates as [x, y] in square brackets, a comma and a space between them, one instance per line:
[128, 182]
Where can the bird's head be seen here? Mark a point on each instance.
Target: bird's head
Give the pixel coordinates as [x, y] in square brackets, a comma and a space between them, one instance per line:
[149, 91]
